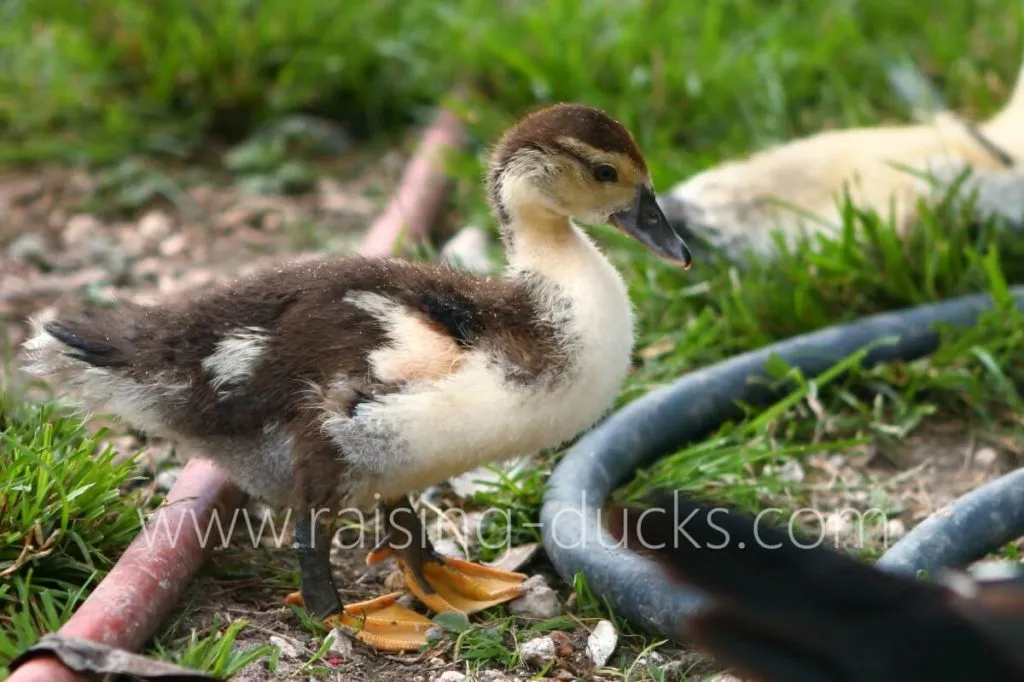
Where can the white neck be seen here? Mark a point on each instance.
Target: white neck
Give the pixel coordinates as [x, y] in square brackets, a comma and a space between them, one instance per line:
[548, 244]
[538, 238]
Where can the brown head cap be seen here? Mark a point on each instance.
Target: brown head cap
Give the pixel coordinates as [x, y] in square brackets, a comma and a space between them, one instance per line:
[584, 123]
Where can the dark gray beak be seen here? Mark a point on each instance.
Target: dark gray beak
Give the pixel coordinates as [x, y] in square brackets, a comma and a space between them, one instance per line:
[645, 222]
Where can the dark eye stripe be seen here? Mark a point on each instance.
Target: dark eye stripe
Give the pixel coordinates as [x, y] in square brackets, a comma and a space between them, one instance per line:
[574, 154]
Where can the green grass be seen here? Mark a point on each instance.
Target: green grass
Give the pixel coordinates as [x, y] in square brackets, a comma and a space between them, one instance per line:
[216, 653]
[64, 518]
[697, 80]
[133, 89]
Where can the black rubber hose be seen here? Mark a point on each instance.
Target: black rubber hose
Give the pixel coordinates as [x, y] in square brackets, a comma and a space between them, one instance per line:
[979, 522]
[668, 418]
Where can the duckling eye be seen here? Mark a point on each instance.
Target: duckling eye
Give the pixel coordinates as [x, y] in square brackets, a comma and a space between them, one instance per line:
[605, 172]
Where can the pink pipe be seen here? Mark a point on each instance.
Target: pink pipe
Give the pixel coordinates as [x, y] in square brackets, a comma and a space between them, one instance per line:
[131, 602]
[139, 592]
[414, 206]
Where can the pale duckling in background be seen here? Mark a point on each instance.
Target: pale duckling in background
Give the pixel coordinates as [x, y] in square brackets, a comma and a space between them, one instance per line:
[335, 384]
[796, 188]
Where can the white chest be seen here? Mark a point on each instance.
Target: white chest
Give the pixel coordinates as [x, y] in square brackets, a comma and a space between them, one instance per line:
[476, 416]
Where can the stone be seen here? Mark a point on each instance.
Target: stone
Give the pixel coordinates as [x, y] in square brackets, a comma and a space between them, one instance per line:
[791, 472]
[986, 457]
[538, 652]
[451, 676]
[894, 529]
[27, 248]
[340, 645]
[289, 652]
[155, 226]
[539, 602]
[174, 245]
[492, 676]
[167, 478]
[602, 642]
[80, 229]
[651, 659]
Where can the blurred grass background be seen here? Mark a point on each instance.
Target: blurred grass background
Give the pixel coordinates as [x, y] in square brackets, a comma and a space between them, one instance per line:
[99, 80]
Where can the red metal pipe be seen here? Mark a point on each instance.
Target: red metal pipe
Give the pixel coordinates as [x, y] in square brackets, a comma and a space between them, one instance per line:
[131, 602]
[414, 206]
[139, 592]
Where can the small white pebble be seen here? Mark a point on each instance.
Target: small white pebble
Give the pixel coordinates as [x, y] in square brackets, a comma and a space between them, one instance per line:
[448, 547]
[80, 228]
[289, 652]
[986, 457]
[155, 226]
[837, 524]
[539, 601]
[27, 247]
[165, 479]
[791, 471]
[538, 652]
[895, 529]
[995, 569]
[651, 658]
[492, 676]
[451, 676]
[602, 642]
[340, 645]
[174, 245]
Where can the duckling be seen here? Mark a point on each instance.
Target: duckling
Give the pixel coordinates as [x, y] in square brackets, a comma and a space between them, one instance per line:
[339, 383]
[796, 188]
[786, 609]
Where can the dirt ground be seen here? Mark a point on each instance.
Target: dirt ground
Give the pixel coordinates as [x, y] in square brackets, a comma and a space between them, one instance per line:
[934, 466]
[214, 598]
[56, 250]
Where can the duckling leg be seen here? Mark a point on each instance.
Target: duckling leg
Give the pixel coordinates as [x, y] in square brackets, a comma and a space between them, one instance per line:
[319, 593]
[381, 622]
[441, 583]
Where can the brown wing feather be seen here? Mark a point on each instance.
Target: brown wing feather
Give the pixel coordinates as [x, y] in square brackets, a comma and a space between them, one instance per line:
[311, 335]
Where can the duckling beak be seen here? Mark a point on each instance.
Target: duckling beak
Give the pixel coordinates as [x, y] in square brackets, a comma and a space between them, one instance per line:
[645, 222]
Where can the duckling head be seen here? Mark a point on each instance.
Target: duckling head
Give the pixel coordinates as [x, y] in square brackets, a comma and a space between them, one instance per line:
[575, 161]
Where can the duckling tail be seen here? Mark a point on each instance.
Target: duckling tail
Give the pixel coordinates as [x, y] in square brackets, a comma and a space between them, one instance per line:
[94, 357]
[82, 343]
[58, 346]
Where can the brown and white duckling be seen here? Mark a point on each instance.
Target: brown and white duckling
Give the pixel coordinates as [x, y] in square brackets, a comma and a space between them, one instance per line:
[330, 385]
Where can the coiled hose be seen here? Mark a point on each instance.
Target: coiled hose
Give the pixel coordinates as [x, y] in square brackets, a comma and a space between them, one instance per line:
[696, 404]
